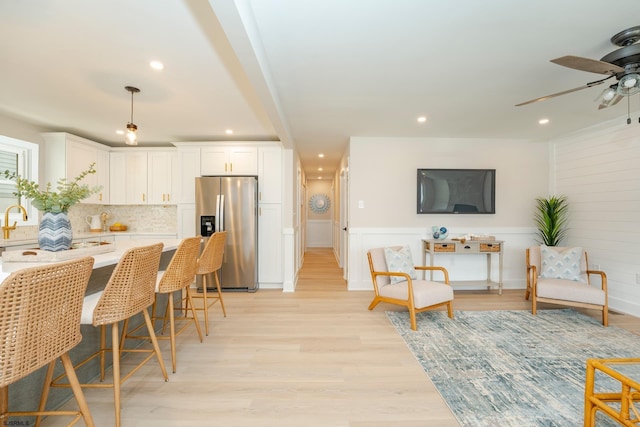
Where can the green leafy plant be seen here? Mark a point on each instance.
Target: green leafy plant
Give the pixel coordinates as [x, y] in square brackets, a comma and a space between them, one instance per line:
[47, 200]
[551, 219]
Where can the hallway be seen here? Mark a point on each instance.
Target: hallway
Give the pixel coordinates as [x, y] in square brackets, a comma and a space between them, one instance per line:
[320, 271]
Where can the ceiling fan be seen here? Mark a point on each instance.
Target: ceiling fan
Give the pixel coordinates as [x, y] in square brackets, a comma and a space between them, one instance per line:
[623, 64]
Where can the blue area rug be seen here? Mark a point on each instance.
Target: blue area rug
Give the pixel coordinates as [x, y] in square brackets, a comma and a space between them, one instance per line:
[510, 368]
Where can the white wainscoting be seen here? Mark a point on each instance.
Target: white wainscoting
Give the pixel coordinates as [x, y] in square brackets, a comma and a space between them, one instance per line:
[319, 233]
[460, 267]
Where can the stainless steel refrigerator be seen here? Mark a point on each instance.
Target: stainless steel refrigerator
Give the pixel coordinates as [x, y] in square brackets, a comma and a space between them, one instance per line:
[230, 203]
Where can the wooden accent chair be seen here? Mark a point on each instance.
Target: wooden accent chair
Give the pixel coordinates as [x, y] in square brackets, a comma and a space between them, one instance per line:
[129, 291]
[574, 293]
[178, 276]
[416, 295]
[210, 262]
[619, 405]
[40, 310]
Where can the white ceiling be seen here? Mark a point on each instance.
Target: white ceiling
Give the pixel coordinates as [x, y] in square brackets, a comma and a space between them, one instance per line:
[310, 73]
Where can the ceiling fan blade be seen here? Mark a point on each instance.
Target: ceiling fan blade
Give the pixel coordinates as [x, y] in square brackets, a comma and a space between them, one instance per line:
[586, 64]
[553, 95]
[564, 92]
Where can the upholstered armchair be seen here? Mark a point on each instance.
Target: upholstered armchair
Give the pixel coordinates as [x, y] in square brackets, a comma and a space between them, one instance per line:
[395, 281]
[560, 275]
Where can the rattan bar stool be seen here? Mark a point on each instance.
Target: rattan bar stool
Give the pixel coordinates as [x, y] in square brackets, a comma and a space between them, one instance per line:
[40, 310]
[178, 276]
[130, 291]
[209, 264]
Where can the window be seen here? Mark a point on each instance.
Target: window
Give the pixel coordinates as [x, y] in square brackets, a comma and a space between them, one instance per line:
[22, 157]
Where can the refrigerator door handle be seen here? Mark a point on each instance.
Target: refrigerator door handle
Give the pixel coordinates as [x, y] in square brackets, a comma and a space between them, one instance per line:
[222, 213]
[217, 227]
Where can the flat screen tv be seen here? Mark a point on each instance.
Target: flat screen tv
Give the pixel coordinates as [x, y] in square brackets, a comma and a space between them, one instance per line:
[456, 191]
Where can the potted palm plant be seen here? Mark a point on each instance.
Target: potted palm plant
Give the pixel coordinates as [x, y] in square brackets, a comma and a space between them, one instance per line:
[551, 219]
[54, 231]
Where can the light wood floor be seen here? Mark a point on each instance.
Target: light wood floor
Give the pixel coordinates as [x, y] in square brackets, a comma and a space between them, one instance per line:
[316, 357]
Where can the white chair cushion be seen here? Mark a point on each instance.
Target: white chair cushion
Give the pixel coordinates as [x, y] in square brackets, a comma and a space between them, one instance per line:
[88, 306]
[425, 292]
[569, 290]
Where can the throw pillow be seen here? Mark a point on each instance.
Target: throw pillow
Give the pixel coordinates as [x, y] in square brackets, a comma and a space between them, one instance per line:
[562, 263]
[400, 261]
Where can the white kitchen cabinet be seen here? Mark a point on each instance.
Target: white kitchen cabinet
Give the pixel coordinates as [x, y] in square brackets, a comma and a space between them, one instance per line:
[141, 177]
[102, 176]
[128, 177]
[66, 156]
[185, 173]
[118, 177]
[160, 166]
[229, 160]
[187, 221]
[270, 175]
[270, 270]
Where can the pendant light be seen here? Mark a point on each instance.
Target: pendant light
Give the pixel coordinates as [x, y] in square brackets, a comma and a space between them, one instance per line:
[131, 137]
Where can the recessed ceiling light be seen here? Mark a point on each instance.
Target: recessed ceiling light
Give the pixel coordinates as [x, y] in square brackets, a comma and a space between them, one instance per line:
[228, 131]
[120, 132]
[422, 119]
[320, 155]
[543, 121]
[319, 177]
[156, 65]
[319, 169]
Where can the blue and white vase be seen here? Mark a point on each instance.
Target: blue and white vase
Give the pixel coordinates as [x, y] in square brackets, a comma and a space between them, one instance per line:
[439, 232]
[54, 233]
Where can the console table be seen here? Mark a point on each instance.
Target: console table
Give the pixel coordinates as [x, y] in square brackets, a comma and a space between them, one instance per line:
[469, 247]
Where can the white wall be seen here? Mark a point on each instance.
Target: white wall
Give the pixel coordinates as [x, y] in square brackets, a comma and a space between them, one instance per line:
[382, 174]
[597, 169]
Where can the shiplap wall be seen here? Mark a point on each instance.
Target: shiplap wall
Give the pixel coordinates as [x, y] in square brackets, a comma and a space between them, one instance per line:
[598, 170]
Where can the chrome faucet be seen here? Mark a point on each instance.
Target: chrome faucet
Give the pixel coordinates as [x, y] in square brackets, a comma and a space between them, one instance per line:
[6, 227]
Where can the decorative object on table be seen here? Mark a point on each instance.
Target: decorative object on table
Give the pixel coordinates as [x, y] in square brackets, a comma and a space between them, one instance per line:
[93, 221]
[508, 368]
[54, 232]
[319, 203]
[475, 238]
[439, 232]
[551, 219]
[118, 227]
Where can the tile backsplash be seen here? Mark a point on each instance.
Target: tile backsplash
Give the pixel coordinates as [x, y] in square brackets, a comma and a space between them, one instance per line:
[139, 218]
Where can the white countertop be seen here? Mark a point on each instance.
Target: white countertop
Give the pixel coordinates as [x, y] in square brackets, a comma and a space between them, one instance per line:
[7, 243]
[104, 259]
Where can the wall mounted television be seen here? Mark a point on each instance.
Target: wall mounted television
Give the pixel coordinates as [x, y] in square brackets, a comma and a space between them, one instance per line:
[456, 191]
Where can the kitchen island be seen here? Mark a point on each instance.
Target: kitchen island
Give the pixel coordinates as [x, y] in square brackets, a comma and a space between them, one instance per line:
[25, 394]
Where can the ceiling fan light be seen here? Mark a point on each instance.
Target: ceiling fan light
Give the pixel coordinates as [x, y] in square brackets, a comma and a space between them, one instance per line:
[629, 84]
[608, 94]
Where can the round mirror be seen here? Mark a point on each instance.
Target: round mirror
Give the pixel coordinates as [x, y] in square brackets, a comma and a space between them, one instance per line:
[319, 203]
